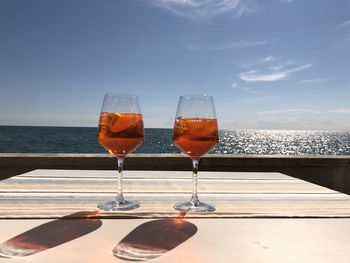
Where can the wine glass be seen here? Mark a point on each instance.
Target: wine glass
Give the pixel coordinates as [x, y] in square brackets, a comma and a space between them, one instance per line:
[195, 133]
[120, 131]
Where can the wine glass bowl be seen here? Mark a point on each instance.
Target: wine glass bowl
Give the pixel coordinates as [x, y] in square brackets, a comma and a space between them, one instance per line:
[195, 134]
[120, 131]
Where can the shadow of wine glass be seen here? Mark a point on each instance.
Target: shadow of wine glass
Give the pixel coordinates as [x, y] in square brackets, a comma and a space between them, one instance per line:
[51, 234]
[154, 238]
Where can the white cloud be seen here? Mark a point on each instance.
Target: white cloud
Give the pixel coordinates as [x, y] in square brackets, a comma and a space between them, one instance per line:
[200, 9]
[261, 62]
[314, 80]
[287, 1]
[282, 66]
[296, 119]
[287, 119]
[229, 45]
[253, 75]
[267, 59]
[344, 24]
[275, 75]
[293, 120]
[342, 110]
[296, 123]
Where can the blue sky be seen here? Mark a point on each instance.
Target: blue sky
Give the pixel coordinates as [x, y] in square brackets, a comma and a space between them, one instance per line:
[274, 64]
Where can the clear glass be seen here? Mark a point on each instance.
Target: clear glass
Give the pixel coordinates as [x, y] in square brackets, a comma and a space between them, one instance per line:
[120, 131]
[195, 134]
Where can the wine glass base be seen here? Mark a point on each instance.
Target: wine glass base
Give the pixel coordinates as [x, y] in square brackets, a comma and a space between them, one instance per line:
[114, 205]
[194, 207]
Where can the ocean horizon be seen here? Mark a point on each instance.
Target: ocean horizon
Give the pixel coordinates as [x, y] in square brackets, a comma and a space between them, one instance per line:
[68, 139]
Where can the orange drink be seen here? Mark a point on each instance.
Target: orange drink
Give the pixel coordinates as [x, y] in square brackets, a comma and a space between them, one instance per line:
[195, 136]
[120, 133]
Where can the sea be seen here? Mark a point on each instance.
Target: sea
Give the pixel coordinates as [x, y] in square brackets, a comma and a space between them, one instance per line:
[34, 139]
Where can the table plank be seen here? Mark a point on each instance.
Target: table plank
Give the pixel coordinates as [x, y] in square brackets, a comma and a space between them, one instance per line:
[55, 193]
[46, 173]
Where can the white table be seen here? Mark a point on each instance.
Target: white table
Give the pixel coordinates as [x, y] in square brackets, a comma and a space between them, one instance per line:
[260, 217]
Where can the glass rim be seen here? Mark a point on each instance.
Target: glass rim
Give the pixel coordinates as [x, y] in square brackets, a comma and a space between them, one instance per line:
[196, 96]
[122, 95]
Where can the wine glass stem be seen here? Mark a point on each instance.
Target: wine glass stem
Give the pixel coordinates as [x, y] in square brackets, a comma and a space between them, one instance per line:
[120, 197]
[194, 198]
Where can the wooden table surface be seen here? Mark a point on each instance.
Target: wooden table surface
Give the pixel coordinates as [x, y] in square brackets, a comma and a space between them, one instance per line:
[51, 216]
[57, 193]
